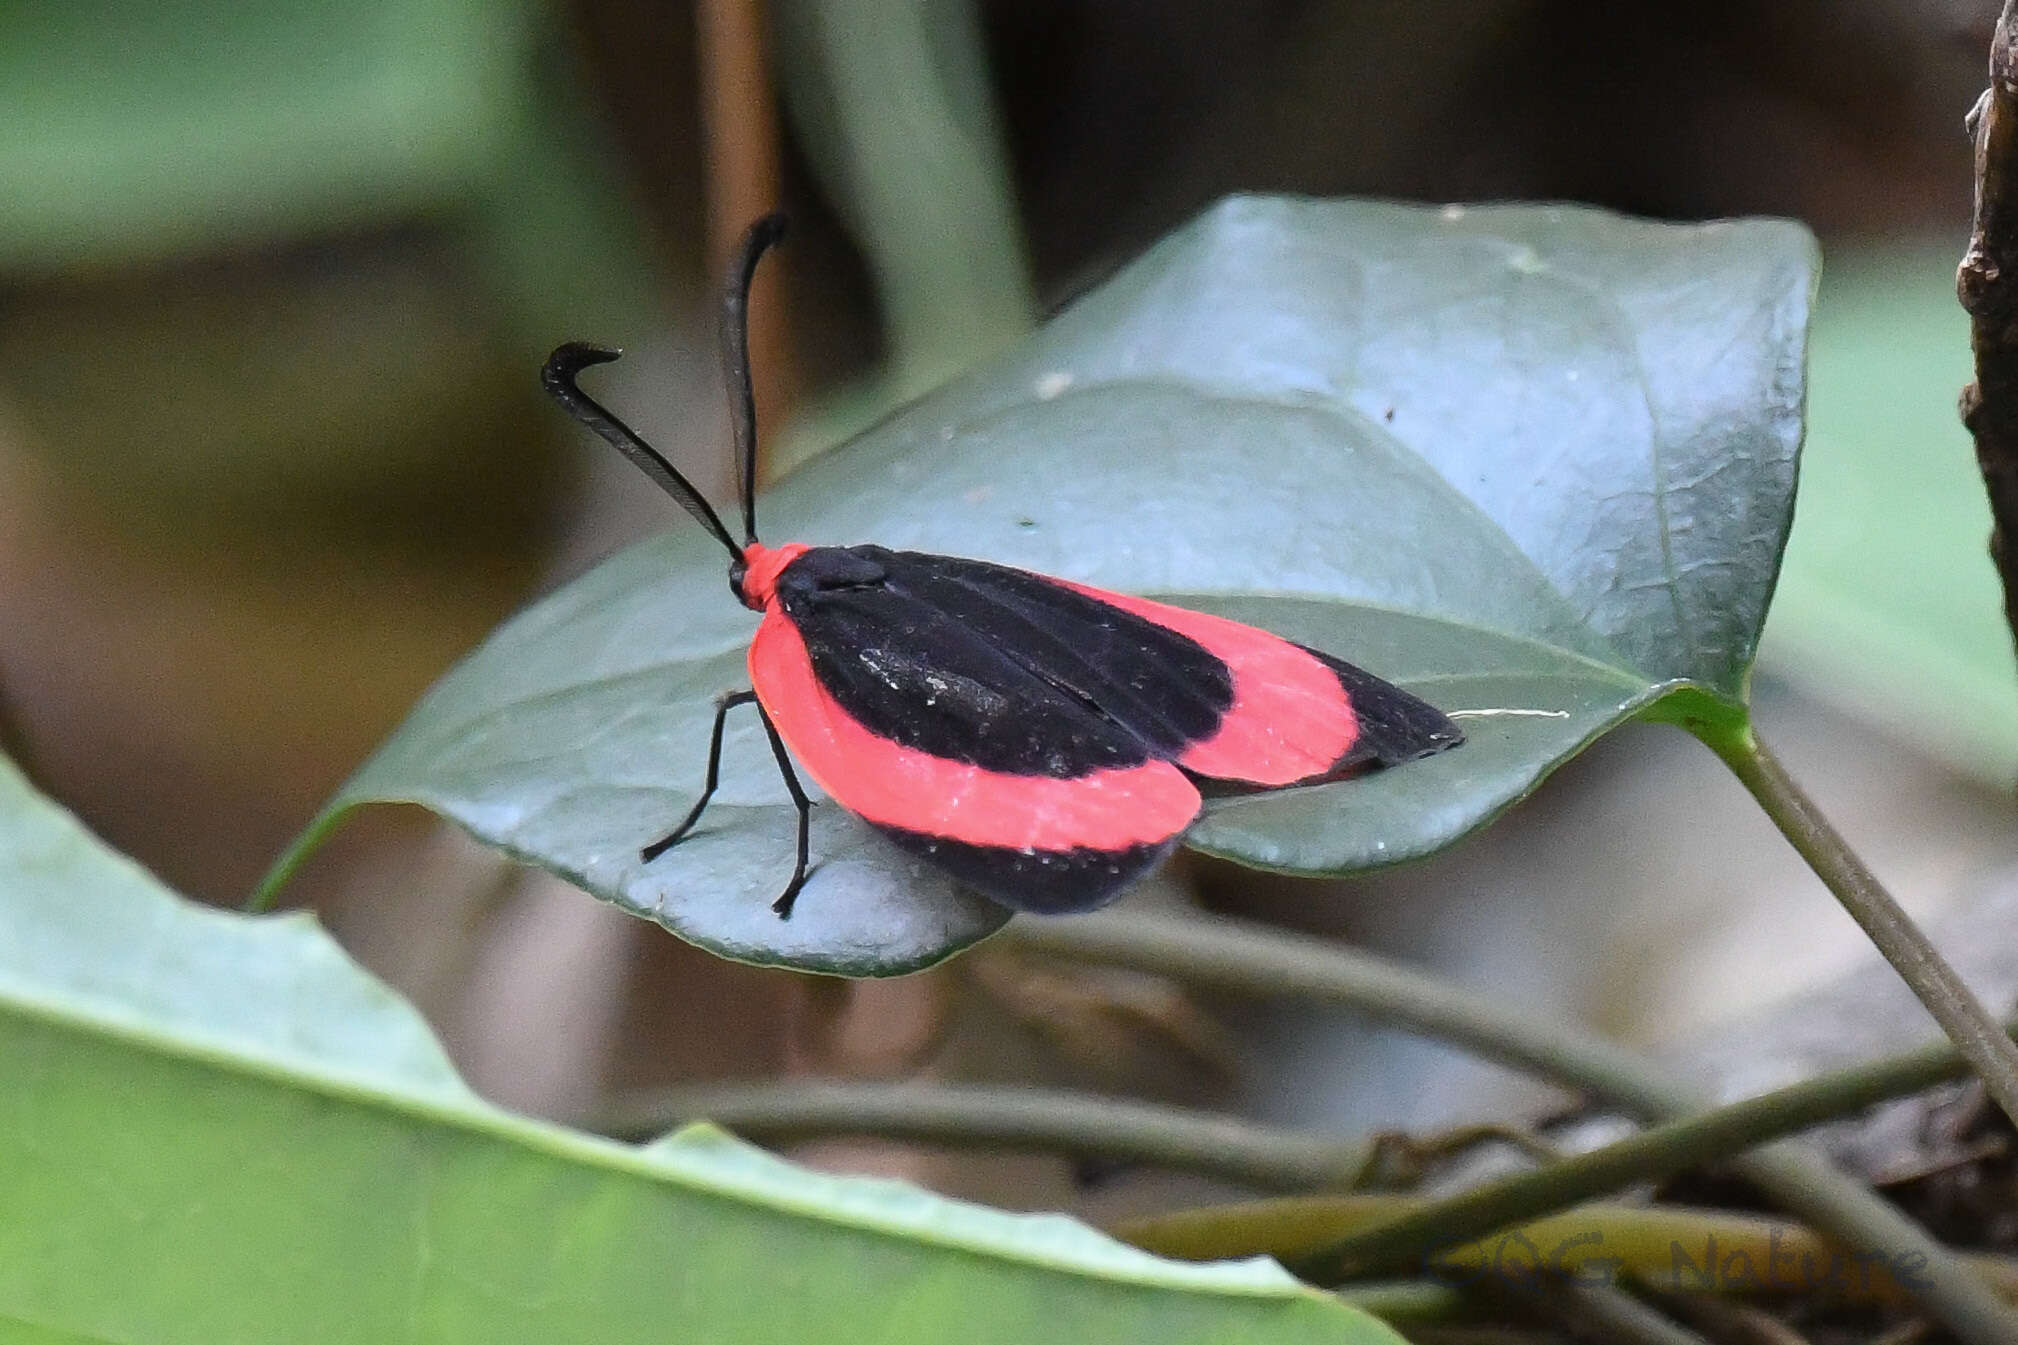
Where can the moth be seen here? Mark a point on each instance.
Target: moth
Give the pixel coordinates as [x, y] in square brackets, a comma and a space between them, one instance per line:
[1043, 742]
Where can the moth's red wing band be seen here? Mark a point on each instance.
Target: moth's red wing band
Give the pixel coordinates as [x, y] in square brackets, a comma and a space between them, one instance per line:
[908, 790]
[1290, 720]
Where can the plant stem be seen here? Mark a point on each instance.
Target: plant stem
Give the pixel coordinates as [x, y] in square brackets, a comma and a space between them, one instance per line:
[1251, 959]
[1622, 1317]
[995, 1115]
[1969, 1025]
[1639, 1242]
[1404, 1301]
[1656, 1153]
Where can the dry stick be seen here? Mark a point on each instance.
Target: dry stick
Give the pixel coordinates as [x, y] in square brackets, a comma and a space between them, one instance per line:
[1245, 958]
[739, 122]
[1987, 285]
[1973, 1028]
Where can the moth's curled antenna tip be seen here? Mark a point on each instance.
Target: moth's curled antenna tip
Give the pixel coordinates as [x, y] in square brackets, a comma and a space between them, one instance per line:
[558, 377]
[758, 239]
[571, 357]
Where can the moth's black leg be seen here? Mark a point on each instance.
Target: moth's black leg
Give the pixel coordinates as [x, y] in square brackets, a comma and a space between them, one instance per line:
[723, 704]
[783, 905]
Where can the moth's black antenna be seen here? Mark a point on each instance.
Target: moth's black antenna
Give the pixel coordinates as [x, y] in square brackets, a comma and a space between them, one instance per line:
[736, 358]
[559, 378]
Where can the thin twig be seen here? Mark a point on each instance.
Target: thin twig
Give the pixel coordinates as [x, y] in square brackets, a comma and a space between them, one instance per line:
[1972, 1027]
[1004, 1116]
[1659, 1152]
[1987, 285]
[1253, 959]
[1245, 958]
[1602, 1312]
[1737, 1323]
[739, 125]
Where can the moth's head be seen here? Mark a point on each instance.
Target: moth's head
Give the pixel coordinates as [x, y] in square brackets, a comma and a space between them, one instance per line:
[753, 576]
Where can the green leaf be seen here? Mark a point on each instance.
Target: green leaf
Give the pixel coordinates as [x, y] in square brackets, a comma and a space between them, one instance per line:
[215, 1129]
[1534, 462]
[1889, 606]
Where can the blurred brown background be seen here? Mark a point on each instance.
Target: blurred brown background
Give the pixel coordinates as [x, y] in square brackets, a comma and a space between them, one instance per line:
[275, 279]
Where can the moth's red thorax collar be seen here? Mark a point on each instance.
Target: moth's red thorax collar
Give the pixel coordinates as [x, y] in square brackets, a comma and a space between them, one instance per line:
[757, 584]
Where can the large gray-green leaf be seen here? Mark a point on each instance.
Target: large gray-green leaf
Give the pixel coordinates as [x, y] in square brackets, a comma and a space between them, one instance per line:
[1536, 463]
[216, 1129]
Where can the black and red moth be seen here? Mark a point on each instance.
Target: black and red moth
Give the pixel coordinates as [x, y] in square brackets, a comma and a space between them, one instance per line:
[1041, 741]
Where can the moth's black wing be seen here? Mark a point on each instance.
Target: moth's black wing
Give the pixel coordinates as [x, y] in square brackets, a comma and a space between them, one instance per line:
[1061, 700]
[996, 667]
